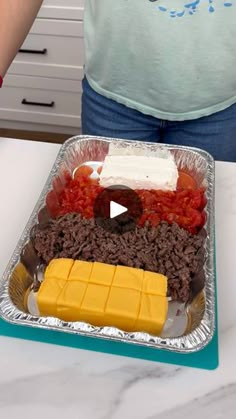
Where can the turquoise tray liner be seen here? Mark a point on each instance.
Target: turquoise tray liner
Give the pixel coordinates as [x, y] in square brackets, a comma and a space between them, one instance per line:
[207, 358]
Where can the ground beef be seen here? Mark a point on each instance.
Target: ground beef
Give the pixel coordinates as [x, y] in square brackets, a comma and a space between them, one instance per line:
[166, 249]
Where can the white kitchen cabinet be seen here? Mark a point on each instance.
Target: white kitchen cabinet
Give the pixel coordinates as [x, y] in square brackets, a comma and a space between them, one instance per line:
[41, 100]
[42, 90]
[52, 49]
[62, 9]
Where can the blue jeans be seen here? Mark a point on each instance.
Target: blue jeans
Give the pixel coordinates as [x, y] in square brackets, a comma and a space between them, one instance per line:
[105, 117]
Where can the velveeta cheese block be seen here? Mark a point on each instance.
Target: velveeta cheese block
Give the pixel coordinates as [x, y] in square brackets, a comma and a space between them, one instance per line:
[104, 295]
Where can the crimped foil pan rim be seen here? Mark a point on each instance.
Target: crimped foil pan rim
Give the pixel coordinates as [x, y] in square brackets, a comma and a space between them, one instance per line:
[192, 342]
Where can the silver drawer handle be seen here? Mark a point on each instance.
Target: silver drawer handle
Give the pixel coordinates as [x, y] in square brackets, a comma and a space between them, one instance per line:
[34, 51]
[48, 105]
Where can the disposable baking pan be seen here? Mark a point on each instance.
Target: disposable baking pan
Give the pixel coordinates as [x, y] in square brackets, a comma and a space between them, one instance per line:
[189, 328]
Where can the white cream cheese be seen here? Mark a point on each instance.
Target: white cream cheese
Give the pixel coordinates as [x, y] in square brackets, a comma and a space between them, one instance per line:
[140, 172]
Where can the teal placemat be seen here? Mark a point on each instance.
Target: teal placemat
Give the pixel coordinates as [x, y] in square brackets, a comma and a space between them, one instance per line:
[206, 358]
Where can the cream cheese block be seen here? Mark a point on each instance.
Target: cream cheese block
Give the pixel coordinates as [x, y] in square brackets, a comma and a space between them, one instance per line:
[140, 172]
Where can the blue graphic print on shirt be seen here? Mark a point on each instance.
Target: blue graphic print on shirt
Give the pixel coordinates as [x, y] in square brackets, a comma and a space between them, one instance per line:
[174, 9]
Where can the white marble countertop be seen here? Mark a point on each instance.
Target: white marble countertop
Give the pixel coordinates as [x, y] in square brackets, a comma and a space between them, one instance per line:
[39, 380]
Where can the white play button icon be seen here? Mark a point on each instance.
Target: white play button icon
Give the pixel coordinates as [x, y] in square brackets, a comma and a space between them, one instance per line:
[116, 209]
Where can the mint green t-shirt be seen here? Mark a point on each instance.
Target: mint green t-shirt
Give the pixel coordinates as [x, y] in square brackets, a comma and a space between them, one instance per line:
[173, 59]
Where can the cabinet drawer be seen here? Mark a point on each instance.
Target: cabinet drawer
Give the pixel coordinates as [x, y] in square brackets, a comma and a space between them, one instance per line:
[57, 27]
[50, 49]
[52, 55]
[42, 100]
[59, 9]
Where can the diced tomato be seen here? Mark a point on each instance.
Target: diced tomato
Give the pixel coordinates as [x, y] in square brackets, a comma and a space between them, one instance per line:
[184, 207]
[154, 220]
[186, 181]
[84, 171]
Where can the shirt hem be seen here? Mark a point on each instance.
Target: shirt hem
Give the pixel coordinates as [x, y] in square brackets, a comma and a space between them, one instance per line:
[161, 114]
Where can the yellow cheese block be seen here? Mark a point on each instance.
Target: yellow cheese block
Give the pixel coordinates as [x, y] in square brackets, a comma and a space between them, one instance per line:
[69, 300]
[153, 286]
[59, 269]
[48, 295]
[80, 271]
[104, 295]
[152, 312]
[123, 308]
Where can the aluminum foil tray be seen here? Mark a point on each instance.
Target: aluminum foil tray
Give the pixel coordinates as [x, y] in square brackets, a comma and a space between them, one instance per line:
[198, 318]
